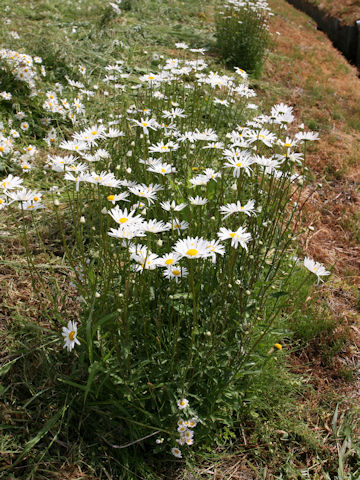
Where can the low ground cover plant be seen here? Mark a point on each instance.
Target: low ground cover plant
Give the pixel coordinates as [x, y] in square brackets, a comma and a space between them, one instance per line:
[176, 209]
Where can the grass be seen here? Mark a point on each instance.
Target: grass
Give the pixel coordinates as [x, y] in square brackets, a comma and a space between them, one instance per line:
[295, 429]
[346, 10]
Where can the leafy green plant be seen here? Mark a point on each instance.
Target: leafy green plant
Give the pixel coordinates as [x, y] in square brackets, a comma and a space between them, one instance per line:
[242, 34]
[154, 343]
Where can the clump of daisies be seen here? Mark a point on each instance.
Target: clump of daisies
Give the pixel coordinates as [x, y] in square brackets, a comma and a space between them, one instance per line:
[176, 215]
[24, 67]
[185, 427]
[242, 34]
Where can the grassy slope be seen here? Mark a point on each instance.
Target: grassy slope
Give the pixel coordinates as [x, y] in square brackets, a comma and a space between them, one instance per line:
[346, 10]
[309, 74]
[324, 89]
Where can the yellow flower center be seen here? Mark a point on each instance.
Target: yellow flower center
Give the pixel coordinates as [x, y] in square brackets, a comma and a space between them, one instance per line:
[232, 235]
[144, 124]
[72, 335]
[94, 132]
[287, 144]
[239, 164]
[169, 261]
[36, 199]
[176, 272]
[2, 149]
[163, 170]
[123, 220]
[111, 198]
[192, 253]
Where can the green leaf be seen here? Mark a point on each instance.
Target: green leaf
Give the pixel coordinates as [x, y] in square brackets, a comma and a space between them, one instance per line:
[103, 320]
[48, 425]
[93, 370]
[72, 384]
[279, 294]
[5, 368]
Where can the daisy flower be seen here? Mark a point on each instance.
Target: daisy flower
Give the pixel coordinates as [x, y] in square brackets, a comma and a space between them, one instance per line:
[77, 179]
[127, 231]
[119, 197]
[145, 260]
[155, 226]
[241, 72]
[215, 247]
[178, 225]
[218, 101]
[162, 168]
[182, 45]
[198, 200]
[11, 182]
[239, 160]
[176, 452]
[172, 206]
[239, 236]
[22, 195]
[69, 333]
[192, 422]
[265, 136]
[169, 259]
[307, 136]
[124, 216]
[161, 147]
[211, 174]
[146, 124]
[174, 113]
[114, 133]
[146, 191]
[175, 273]
[182, 403]
[231, 208]
[316, 267]
[192, 248]
[214, 146]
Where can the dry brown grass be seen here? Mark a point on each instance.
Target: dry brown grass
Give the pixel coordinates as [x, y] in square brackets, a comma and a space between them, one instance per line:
[325, 91]
[347, 10]
[310, 74]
